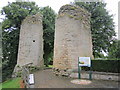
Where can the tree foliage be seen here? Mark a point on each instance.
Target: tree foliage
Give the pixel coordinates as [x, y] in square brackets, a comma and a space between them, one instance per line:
[17, 11]
[114, 49]
[48, 34]
[102, 26]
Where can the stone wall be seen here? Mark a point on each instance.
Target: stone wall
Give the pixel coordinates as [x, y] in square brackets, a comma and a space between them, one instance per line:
[31, 41]
[72, 38]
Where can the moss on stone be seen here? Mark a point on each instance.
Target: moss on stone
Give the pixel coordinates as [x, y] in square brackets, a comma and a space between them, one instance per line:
[73, 8]
[71, 16]
[74, 12]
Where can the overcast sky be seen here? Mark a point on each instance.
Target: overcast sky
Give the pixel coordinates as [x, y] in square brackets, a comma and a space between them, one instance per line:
[112, 6]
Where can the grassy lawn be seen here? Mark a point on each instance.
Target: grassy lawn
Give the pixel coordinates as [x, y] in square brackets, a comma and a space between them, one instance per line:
[0, 86]
[13, 83]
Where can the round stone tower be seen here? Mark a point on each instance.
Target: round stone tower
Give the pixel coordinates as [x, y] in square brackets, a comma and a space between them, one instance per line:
[72, 38]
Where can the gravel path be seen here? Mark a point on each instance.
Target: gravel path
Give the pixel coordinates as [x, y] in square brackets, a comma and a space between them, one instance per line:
[46, 79]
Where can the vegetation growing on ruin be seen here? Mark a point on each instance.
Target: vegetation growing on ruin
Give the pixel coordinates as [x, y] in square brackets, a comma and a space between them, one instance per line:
[75, 12]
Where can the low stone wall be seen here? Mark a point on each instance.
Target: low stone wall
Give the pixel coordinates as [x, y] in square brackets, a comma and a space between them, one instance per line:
[97, 75]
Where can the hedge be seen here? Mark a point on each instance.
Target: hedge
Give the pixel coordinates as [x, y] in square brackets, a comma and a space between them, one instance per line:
[104, 66]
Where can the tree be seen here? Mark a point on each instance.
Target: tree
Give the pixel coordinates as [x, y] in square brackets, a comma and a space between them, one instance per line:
[114, 50]
[14, 14]
[102, 26]
[48, 34]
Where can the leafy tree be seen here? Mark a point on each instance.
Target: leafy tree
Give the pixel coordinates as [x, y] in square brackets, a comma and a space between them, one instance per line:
[48, 34]
[102, 26]
[14, 14]
[114, 49]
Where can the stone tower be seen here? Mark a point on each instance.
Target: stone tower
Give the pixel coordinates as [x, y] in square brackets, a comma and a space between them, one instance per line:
[31, 41]
[72, 38]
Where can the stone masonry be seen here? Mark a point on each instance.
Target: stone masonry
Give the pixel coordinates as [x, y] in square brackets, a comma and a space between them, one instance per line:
[72, 38]
[31, 41]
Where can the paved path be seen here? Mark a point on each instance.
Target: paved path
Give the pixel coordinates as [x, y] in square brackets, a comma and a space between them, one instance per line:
[46, 79]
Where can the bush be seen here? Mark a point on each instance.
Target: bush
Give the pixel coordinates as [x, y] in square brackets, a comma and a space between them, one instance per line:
[6, 73]
[104, 66]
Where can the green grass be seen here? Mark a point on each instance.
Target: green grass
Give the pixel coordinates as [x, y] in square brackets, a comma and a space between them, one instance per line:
[12, 83]
[0, 86]
[50, 66]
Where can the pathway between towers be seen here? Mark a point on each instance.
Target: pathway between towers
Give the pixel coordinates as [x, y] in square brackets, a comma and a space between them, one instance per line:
[47, 79]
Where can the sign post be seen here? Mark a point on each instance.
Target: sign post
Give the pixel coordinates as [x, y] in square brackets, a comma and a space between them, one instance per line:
[79, 76]
[84, 61]
[90, 74]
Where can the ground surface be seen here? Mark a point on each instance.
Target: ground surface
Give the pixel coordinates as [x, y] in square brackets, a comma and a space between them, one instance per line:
[47, 79]
[12, 83]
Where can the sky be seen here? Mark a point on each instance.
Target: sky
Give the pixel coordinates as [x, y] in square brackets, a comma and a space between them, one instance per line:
[112, 7]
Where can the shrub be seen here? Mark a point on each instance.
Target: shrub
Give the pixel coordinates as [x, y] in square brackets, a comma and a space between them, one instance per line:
[104, 66]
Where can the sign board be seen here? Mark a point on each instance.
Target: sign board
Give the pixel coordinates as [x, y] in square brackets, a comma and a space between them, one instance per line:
[84, 61]
[31, 79]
